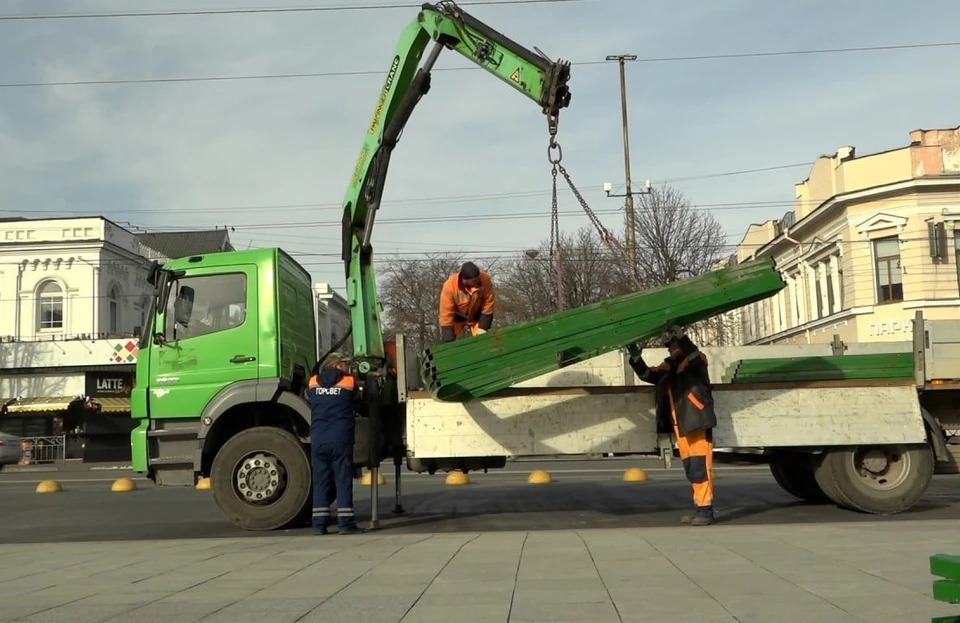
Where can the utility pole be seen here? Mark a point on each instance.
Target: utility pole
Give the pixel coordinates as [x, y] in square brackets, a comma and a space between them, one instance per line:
[631, 235]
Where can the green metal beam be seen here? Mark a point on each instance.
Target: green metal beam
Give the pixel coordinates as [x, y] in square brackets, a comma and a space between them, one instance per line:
[485, 364]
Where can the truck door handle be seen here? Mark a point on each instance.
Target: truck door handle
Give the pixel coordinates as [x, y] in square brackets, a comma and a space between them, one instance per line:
[242, 359]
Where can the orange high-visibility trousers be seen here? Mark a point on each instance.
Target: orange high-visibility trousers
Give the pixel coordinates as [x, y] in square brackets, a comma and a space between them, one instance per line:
[696, 454]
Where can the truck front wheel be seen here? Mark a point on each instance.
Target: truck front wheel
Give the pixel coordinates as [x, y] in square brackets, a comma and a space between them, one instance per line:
[261, 479]
[882, 480]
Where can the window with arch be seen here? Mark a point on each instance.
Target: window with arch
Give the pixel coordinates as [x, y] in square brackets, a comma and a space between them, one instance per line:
[113, 298]
[50, 306]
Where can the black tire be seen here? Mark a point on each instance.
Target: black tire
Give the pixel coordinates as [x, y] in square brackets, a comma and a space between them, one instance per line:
[824, 478]
[294, 480]
[905, 480]
[305, 517]
[795, 476]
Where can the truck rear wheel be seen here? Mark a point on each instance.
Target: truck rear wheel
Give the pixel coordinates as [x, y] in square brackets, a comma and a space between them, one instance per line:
[881, 480]
[822, 473]
[795, 475]
[261, 479]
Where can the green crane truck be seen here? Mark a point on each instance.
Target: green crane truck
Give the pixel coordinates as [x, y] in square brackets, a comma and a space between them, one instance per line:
[231, 340]
[226, 354]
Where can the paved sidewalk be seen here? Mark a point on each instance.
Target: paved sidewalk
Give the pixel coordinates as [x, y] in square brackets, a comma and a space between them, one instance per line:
[828, 572]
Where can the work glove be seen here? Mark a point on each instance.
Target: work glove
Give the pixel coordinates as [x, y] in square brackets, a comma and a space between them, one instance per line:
[635, 351]
[481, 331]
[446, 335]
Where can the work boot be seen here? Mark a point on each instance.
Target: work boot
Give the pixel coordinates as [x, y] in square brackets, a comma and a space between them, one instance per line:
[320, 530]
[702, 520]
[354, 529]
[702, 517]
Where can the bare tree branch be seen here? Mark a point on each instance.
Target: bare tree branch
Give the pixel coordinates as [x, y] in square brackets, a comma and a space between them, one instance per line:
[591, 273]
[410, 293]
[676, 241]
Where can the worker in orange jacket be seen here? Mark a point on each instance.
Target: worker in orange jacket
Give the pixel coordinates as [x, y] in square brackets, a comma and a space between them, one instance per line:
[684, 403]
[466, 303]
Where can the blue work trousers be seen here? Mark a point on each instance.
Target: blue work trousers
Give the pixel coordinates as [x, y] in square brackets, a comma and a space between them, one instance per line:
[332, 480]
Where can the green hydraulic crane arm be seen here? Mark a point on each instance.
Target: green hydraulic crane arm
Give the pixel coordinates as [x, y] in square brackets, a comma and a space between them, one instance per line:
[448, 26]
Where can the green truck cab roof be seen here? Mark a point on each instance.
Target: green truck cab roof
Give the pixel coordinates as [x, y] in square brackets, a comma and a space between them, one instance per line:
[225, 259]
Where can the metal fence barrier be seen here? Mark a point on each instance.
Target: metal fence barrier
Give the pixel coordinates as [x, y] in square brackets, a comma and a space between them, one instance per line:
[39, 450]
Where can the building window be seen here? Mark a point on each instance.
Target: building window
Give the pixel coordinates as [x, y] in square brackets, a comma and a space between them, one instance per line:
[887, 262]
[818, 293]
[114, 306]
[831, 302]
[956, 252]
[50, 306]
[838, 289]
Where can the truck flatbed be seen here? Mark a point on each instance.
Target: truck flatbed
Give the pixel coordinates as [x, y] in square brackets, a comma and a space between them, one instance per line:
[584, 420]
[866, 444]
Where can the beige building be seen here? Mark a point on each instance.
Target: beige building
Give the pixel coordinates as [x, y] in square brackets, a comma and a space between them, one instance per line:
[871, 240]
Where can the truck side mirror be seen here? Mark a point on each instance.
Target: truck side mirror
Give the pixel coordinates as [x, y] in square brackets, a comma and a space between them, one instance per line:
[153, 274]
[183, 306]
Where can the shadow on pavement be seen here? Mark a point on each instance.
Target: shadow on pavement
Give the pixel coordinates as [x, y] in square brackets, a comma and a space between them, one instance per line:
[162, 514]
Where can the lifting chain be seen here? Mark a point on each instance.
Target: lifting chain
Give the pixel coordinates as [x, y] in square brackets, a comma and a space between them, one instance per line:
[609, 239]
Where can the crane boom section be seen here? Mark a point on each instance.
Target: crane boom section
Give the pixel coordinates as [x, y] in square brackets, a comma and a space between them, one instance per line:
[447, 26]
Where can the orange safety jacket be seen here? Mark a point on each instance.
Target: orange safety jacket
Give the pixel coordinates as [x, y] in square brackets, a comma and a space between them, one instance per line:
[460, 305]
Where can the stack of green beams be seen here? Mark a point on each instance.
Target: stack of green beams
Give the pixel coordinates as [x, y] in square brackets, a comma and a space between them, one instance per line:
[482, 365]
[835, 368]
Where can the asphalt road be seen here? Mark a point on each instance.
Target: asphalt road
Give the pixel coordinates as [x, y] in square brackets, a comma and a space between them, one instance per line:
[583, 494]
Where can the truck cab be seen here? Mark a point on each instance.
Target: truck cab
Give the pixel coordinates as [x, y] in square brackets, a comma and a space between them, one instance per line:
[226, 354]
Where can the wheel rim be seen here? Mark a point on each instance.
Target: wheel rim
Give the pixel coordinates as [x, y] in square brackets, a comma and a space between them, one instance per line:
[259, 478]
[881, 468]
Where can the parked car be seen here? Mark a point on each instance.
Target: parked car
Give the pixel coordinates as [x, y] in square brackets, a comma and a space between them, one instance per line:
[10, 451]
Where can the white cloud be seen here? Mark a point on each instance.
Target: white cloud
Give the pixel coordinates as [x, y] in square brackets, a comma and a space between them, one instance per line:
[196, 149]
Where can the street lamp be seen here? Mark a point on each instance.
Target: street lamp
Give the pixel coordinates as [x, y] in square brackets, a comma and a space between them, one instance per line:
[631, 236]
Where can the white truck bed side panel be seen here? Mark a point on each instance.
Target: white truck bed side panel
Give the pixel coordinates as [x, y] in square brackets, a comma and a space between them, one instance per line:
[759, 418]
[564, 423]
[943, 349]
[531, 425]
[609, 369]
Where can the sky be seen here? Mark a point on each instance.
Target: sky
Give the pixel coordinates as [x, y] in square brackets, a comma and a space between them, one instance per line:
[271, 157]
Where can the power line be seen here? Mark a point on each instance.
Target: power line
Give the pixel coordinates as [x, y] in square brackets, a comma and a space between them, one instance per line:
[519, 194]
[260, 10]
[602, 255]
[410, 220]
[789, 205]
[380, 72]
[730, 173]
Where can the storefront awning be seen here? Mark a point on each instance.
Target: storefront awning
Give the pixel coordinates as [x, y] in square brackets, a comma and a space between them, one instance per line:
[112, 404]
[41, 405]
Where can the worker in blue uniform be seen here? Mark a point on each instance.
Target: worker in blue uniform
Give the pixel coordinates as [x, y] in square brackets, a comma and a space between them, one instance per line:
[331, 392]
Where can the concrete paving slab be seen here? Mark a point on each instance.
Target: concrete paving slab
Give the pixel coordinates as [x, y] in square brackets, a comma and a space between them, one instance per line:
[592, 551]
[829, 572]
